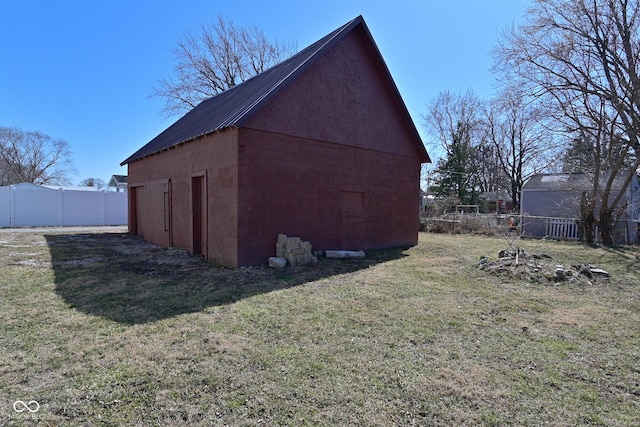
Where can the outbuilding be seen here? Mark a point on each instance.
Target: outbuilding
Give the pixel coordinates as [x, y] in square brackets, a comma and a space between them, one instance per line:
[550, 205]
[320, 146]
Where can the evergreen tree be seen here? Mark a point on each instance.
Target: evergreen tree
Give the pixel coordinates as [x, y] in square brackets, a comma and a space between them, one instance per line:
[454, 175]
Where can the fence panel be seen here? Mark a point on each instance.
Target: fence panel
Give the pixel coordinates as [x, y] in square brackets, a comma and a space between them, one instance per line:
[32, 206]
[116, 208]
[83, 208]
[5, 208]
[562, 228]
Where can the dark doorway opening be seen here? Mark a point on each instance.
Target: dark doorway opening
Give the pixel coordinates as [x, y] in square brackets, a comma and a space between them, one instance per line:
[199, 215]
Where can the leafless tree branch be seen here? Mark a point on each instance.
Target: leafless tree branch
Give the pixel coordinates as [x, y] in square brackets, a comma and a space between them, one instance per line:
[582, 57]
[218, 57]
[33, 157]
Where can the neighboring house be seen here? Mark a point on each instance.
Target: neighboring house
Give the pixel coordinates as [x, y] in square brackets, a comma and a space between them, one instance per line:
[550, 206]
[321, 146]
[498, 202]
[118, 182]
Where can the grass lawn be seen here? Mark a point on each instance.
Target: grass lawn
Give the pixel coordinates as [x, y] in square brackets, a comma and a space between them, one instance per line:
[105, 329]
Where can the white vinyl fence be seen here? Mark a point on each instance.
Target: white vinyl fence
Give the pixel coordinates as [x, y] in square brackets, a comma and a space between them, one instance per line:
[562, 228]
[28, 205]
[624, 231]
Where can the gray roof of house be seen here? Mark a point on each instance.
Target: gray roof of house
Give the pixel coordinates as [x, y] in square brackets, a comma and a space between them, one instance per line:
[569, 181]
[119, 179]
[235, 106]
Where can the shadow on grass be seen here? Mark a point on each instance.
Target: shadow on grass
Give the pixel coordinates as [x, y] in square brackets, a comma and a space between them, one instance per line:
[627, 256]
[125, 279]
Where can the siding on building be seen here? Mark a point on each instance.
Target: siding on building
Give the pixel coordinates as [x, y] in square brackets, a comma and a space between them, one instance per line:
[328, 153]
[548, 197]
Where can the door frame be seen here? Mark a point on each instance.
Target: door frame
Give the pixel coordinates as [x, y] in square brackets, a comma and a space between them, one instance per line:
[199, 214]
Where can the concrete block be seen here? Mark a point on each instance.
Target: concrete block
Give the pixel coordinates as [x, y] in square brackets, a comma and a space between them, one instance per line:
[293, 241]
[345, 254]
[277, 262]
[295, 251]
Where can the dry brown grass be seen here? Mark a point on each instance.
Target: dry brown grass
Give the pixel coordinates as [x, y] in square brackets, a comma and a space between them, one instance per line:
[105, 329]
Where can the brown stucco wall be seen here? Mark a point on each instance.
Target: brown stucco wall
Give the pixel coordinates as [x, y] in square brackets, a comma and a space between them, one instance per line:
[334, 196]
[345, 98]
[333, 158]
[148, 214]
[215, 158]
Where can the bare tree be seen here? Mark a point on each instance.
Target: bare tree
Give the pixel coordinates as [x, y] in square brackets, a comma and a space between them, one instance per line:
[581, 57]
[613, 164]
[447, 112]
[33, 157]
[490, 175]
[217, 58]
[454, 120]
[93, 182]
[522, 144]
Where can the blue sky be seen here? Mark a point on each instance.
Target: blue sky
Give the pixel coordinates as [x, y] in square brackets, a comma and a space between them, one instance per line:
[83, 70]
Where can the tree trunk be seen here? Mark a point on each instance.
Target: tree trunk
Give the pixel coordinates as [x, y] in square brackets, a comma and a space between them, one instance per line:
[587, 219]
[605, 224]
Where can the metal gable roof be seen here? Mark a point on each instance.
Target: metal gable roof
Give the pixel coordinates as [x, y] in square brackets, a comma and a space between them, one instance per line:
[234, 106]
